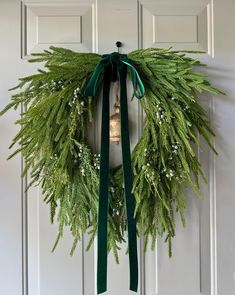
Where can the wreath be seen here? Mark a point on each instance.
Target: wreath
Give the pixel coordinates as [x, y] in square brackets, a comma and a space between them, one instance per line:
[59, 103]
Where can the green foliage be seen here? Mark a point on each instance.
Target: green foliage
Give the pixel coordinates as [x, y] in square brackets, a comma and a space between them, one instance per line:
[58, 157]
[164, 162]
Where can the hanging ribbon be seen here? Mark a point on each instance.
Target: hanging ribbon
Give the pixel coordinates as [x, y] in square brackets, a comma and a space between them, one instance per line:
[112, 67]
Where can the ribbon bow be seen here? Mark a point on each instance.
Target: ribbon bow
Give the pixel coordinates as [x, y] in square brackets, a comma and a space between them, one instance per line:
[112, 67]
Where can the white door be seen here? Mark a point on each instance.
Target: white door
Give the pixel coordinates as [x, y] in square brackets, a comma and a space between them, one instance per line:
[204, 253]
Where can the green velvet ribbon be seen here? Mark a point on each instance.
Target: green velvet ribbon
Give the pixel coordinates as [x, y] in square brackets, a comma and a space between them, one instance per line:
[112, 67]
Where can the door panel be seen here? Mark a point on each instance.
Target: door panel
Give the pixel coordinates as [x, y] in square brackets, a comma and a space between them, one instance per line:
[203, 253]
[63, 24]
[189, 24]
[10, 183]
[204, 275]
[183, 26]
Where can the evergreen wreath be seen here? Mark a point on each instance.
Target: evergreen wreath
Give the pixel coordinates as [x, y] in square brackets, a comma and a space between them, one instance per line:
[53, 142]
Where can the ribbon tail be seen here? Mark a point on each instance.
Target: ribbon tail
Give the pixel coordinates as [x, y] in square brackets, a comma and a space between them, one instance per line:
[104, 188]
[128, 182]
